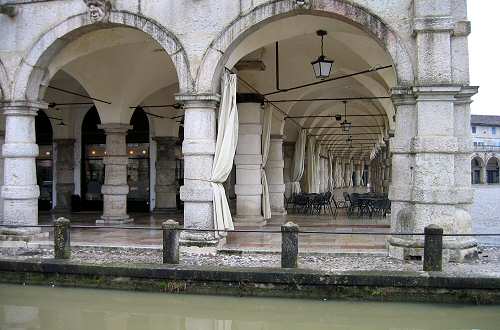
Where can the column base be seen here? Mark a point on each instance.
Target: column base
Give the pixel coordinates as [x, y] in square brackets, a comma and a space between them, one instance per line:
[279, 213]
[19, 238]
[107, 220]
[249, 221]
[405, 249]
[200, 239]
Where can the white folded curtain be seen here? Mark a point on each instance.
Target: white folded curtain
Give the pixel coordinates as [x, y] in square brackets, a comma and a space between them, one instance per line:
[225, 148]
[298, 162]
[312, 166]
[266, 142]
[317, 156]
[331, 185]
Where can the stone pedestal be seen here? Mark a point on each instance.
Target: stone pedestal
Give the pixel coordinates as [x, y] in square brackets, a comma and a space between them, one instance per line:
[65, 185]
[198, 149]
[115, 188]
[248, 161]
[274, 172]
[20, 191]
[166, 185]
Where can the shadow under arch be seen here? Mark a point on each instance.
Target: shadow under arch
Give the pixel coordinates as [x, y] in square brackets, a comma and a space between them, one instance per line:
[32, 73]
[214, 59]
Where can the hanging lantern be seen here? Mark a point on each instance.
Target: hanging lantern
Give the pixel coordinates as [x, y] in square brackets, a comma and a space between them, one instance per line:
[322, 66]
[346, 126]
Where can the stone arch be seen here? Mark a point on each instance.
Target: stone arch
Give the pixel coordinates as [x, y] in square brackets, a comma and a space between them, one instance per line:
[494, 158]
[4, 82]
[217, 54]
[32, 72]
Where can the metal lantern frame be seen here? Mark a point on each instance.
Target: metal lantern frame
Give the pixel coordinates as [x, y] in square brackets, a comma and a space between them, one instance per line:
[322, 66]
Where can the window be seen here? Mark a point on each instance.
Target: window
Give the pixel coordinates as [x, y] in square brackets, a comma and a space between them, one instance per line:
[474, 129]
[493, 130]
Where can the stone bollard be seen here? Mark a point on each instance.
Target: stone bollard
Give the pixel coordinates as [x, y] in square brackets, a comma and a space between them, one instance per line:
[171, 232]
[433, 249]
[62, 244]
[289, 245]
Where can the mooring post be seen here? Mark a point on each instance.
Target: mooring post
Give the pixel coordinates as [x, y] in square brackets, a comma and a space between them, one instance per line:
[433, 249]
[289, 245]
[62, 244]
[171, 232]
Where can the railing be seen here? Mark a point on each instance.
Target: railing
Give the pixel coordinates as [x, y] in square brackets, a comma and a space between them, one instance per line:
[487, 148]
[433, 239]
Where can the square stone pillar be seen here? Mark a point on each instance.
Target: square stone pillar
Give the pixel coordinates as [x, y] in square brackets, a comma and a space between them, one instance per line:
[322, 176]
[274, 172]
[248, 161]
[198, 149]
[20, 191]
[166, 184]
[115, 188]
[358, 172]
[288, 151]
[2, 141]
[64, 164]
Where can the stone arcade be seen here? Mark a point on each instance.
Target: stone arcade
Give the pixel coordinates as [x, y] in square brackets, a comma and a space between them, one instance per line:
[409, 110]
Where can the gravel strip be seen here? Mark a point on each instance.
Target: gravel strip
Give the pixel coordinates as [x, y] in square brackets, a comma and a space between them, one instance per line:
[488, 263]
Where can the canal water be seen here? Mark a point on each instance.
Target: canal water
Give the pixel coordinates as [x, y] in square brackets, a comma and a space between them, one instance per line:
[31, 307]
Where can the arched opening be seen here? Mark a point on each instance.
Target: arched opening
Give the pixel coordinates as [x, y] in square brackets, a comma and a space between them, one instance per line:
[492, 171]
[138, 162]
[92, 165]
[112, 69]
[477, 170]
[44, 161]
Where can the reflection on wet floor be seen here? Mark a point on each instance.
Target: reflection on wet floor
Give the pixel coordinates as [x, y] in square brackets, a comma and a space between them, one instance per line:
[262, 242]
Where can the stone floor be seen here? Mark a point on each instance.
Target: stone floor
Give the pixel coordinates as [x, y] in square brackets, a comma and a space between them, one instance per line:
[344, 242]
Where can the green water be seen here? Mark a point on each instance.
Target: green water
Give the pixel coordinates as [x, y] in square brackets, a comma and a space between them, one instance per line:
[29, 307]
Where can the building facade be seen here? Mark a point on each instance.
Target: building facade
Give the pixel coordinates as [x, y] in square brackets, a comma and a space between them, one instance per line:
[132, 93]
[486, 156]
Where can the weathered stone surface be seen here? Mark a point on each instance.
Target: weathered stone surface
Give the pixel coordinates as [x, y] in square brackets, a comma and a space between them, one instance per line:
[62, 238]
[289, 245]
[171, 234]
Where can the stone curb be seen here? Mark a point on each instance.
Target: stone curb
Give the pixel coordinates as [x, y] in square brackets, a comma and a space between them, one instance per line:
[265, 282]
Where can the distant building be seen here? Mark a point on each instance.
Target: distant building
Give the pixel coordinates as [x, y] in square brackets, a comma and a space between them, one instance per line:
[486, 156]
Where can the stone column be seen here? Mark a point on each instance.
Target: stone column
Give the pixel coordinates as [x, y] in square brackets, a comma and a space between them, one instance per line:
[429, 172]
[288, 151]
[248, 160]
[483, 174]
[20, 191]
[166, 185]
[2, 141]
[274, 172]
[198, 149]
[65, 164]
[358, 173]
[347, 173]
[387, 165]
[115, 188]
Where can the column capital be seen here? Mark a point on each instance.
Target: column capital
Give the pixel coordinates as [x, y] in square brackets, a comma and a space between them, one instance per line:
[436, 93]
[22, 108]
[198, 100]
[465, 94]
[115, 128]
[402, 95]
[433, 24]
